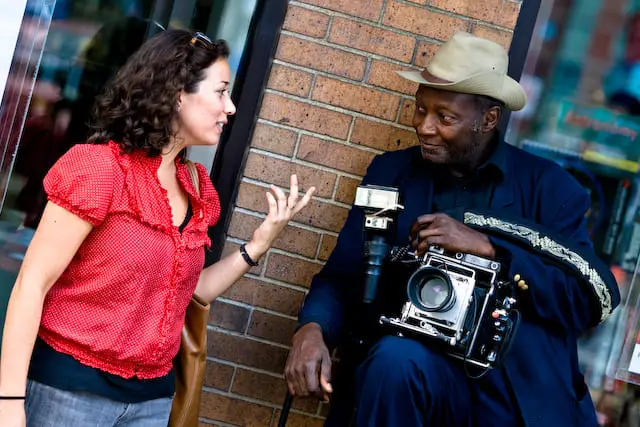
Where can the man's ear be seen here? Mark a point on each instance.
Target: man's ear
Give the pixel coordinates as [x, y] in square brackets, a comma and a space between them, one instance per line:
[491, 119]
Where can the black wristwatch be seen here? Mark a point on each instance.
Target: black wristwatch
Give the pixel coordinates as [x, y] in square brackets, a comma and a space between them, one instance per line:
[245, 255]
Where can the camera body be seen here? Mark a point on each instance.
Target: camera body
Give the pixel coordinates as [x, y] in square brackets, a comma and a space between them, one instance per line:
[458, 301]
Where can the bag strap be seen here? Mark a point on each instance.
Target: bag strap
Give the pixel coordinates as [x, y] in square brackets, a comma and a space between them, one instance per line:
[194, 175]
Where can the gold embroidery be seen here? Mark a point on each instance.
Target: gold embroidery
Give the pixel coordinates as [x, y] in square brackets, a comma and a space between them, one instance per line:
[553, 248]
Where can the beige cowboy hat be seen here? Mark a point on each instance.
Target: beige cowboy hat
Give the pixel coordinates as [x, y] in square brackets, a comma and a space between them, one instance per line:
[470, 64]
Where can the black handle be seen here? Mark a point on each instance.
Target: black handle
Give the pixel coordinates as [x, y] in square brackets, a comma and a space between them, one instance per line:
[286, 407]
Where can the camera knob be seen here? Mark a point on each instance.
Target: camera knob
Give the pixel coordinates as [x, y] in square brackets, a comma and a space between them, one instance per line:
[497, 338]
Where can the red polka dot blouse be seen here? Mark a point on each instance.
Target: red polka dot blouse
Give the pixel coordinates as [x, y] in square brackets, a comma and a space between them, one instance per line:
[120, 304]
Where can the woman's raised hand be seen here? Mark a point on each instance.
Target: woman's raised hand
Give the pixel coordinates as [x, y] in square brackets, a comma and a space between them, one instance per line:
[281, 210]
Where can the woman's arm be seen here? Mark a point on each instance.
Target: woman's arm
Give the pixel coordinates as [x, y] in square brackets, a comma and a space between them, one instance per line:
[56, 241]
[217, 278]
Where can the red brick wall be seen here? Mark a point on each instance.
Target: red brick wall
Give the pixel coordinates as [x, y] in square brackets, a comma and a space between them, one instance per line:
[331, 104]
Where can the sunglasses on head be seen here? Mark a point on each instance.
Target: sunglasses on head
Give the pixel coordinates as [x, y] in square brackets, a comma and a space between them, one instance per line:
[202, 40]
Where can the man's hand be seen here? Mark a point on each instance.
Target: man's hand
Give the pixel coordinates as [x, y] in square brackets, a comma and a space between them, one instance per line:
[441, 230]
[308, 369]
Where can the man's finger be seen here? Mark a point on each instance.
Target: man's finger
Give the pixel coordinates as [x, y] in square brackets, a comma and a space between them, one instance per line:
[421, 222]
[312, 372]
[325, 375]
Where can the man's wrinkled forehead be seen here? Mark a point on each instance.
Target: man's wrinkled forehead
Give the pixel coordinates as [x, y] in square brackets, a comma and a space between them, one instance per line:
[429, 95]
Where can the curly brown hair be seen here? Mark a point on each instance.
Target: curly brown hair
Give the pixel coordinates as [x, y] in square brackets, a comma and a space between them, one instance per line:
[138, 106]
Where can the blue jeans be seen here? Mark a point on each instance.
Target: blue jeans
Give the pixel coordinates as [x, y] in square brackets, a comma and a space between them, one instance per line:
[50, 407]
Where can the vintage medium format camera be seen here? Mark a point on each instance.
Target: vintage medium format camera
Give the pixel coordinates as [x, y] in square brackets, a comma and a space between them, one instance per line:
[456, 300]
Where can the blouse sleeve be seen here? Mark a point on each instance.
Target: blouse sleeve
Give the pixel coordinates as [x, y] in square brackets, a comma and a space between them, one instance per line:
[82, 181]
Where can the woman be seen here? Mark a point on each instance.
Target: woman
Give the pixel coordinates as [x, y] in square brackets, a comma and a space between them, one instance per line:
[100, 300]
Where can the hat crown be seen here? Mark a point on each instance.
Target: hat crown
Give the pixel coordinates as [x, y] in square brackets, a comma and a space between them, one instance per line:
[465, 55]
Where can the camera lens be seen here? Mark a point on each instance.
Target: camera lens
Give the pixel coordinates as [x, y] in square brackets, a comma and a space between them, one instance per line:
[430, 289]
[434, 292]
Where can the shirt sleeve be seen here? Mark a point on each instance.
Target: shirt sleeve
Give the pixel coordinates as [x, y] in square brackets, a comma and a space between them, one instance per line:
[82, 182]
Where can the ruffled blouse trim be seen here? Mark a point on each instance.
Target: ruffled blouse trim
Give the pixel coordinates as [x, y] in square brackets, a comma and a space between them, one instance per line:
[149, 200]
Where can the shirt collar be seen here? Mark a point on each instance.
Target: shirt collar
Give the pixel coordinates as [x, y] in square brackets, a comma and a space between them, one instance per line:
[498, 159]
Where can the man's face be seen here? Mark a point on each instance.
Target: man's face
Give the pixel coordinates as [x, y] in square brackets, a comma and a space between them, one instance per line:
[445, 123]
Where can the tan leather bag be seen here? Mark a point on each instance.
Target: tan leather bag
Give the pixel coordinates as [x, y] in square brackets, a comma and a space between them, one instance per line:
[190, 363]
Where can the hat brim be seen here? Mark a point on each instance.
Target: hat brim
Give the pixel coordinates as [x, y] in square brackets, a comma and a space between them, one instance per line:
[506, 89]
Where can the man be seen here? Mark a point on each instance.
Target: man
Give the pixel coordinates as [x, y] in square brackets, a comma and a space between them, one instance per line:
[533, 209]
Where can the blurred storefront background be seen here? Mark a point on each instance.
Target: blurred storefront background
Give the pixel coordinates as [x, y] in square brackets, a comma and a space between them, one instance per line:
[582, 75]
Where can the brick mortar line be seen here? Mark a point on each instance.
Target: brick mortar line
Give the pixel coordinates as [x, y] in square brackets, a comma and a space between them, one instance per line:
[344, 142]
[257, 401]
[279, 251]
[329, 28]
[302, 162]
[447, 12]
[310, 229]
[362, 83]
[367, 73]
[314, 77]
[330, 138]
[322, 199]
[276, 282]
[210, 421]
[336, 186]
[494, 26]
[319, 248]
[383, 11]
[355, 51]
[272, 154]
[330, 12]
[247, 337]
[327, 106]
[232, 380]
[326, 74]
[296, 146]
[399, 112]
[378, 23]
[350, 135]
[245, 367]
[255, 308]
[246, 328]
[262, 215]
[296, 256]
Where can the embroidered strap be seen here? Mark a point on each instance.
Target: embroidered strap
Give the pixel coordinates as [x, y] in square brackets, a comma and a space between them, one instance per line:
[550, 247]
[194, 175]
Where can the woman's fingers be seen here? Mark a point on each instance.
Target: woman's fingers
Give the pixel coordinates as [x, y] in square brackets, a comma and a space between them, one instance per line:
[293, 194]
[273, 205]
[305, 200]
[281, 198]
